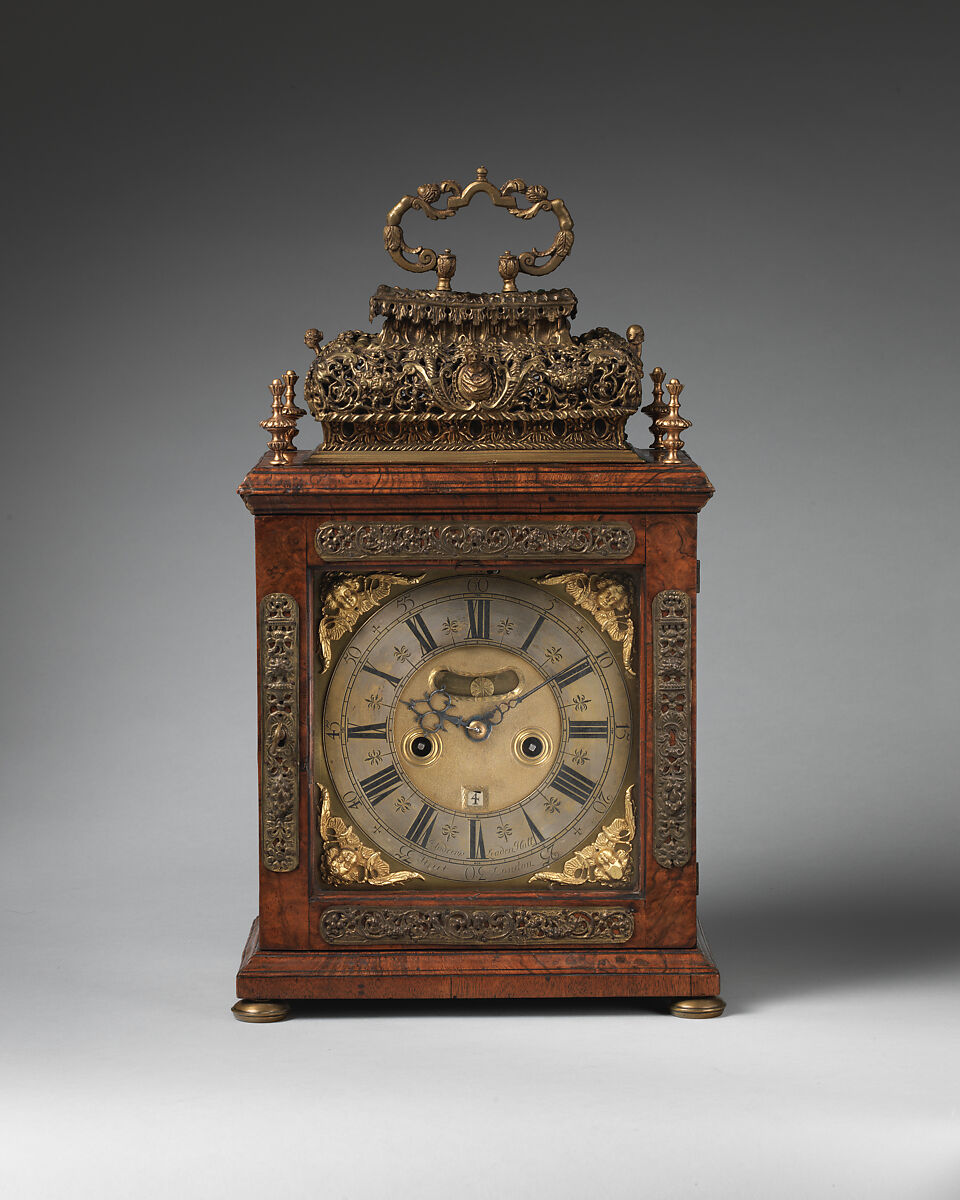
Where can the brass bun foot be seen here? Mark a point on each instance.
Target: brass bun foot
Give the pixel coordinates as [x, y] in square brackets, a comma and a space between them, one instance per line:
[698, 1007]
[259, 1012]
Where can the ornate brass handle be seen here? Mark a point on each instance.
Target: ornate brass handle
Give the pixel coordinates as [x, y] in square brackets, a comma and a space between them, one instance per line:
[445, 263]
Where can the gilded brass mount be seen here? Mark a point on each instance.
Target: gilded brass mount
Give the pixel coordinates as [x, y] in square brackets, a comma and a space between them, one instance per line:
[490, 374]
[666, 424]
[284, 415]
[474, 372]
[510, 264]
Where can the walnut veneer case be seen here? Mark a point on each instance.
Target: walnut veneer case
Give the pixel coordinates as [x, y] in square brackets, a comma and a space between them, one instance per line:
[476, 635]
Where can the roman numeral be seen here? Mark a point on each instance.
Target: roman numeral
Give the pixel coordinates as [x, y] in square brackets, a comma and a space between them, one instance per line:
[379, 730]
[479, 613]
[380, 784]
[476, 839]
[578, 787]
[418, 628]
[533, 633]
[589, 729]
[572, 673]
[419, 832]
[394, 679]
[533, 829]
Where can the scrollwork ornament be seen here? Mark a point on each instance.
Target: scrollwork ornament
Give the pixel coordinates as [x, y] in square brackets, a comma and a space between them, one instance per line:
[347, 598]
[344, 540]
[478, 926]
[345, 860]
[474, 373]
[280, 725]
[672, 765]
[608, 599]
[423, 258]
[606, 862]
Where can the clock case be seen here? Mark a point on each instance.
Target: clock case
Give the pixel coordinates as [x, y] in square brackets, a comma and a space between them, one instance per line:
[401, 508]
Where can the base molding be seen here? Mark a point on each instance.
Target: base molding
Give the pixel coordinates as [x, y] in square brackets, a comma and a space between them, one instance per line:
[473, 974]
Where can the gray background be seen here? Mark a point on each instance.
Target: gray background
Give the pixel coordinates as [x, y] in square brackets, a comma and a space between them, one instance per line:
[771, 191]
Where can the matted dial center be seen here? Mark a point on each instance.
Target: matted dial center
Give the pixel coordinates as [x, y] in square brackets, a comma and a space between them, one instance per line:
[487, 749]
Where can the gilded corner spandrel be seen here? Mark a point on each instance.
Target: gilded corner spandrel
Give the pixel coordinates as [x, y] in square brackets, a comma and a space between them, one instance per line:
[609, 599]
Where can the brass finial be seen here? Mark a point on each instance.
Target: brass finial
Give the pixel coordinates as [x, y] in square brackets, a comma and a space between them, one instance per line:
[280, 427]
[672, 425]
[509, 268]
[446, 265]
[312, 339]
[290, 409]
[481, 174]
[656, 410]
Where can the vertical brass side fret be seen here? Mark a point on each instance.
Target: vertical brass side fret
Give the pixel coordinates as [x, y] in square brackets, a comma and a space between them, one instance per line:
[280, 730]
[672, 769]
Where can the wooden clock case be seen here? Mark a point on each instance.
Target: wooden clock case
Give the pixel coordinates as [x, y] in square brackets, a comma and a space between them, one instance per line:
[475, 433]
[286, 958]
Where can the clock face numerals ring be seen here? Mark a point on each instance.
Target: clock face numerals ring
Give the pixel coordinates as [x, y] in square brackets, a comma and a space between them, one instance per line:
[478, 729]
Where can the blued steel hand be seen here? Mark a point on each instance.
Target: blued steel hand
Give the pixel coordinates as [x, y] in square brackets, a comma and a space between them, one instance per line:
[496, 715]
[432, 711]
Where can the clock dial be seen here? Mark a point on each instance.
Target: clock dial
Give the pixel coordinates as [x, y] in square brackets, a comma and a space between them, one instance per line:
[478, 729]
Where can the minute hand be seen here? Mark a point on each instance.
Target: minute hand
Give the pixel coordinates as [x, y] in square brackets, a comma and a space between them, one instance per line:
[504, 708]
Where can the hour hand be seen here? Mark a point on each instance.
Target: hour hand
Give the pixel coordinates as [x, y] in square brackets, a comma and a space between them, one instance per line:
[433, 711]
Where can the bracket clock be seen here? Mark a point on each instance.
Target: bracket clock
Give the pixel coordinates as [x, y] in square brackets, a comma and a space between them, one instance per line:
[476, 607]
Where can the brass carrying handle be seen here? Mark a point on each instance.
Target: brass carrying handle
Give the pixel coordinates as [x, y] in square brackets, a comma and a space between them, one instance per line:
[445, 263]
